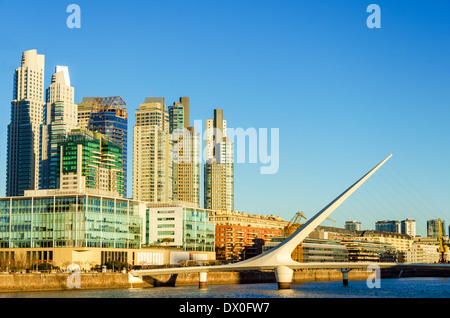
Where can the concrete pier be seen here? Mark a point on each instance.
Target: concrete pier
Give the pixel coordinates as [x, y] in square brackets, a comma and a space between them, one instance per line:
[344, 272]
[202, 276]
[283, 275]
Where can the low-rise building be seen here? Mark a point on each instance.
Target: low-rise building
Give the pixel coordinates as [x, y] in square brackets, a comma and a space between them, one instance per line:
[317, 247]
[242, 235]
[181, 225]
[60, 228]
[65, 228]
[401, 242]
[367, 251]
[422, 253]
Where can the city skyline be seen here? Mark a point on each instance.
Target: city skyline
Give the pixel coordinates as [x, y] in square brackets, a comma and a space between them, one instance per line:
[340, 104]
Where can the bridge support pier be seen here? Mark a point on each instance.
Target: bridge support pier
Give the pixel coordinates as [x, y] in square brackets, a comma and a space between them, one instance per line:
[344, 272]
[284, 275]
[202, 280]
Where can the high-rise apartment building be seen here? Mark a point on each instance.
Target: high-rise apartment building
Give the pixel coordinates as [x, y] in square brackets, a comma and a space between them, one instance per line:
[388, 226]
[91, 161]
[408, 227]
[60, 117]
[353, 225]
[179, 114]
[152, 164]
[433, 228]
[219, 166]
[186, 154]
[107, 115]
[88, 106]
[27, 107]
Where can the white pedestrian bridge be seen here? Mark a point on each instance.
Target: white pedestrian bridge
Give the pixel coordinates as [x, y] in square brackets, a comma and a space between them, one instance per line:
[279, 258]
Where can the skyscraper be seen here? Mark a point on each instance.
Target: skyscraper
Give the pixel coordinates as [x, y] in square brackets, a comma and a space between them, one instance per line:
[91, 160]
[107, 115]
[219, 166]
[408, 227]
[388, 226]
[27, 108]
[186, 153]
[353, 225]
[60, 117]
[433, 228]
[88, 106]
[152, 165]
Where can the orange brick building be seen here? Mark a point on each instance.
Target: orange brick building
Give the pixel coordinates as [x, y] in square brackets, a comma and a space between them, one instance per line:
[241, 236]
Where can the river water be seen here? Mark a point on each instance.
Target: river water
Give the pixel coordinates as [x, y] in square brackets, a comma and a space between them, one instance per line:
[388, 288]
[395, 297]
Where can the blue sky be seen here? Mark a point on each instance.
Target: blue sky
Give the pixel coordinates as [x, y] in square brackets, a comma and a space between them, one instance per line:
[342, 95]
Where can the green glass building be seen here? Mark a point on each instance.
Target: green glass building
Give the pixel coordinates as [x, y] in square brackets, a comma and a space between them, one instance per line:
[91, 160]
[70, 221]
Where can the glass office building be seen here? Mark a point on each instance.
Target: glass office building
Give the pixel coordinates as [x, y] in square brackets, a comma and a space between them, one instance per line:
[70, 221]
[185, 227]
[433, 228]
[94, 158]
[116, 126]
[320, 250]
[388, 226]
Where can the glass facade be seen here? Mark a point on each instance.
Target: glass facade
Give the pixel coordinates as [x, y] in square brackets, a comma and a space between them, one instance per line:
[198, 232]
[51, 134]
[98, 152]
[433, 228]
[388, 226]
[188, 228]
[365, 251]
[115, 126]
[20, 152]
[69, 221]
[320, 250]
[176, 117]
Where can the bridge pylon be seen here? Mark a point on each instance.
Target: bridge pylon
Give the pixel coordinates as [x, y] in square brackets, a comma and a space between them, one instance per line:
[202, 276]
[284, 276]
[279, 257]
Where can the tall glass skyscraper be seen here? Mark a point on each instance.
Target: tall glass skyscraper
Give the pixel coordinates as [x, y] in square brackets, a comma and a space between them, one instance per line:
[433, 228]
[388, 226]
[219, 166]
[91, 160]
[111, 119]
[27, 107]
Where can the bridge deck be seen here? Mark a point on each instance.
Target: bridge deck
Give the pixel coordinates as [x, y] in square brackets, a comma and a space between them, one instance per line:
[331, 265]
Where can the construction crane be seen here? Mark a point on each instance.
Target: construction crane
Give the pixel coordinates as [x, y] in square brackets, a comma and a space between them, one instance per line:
[442, 250]
[294, 224]
[291, 227]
